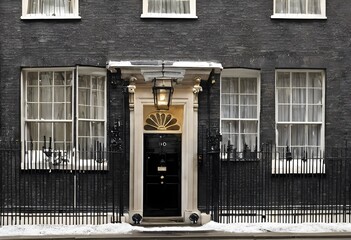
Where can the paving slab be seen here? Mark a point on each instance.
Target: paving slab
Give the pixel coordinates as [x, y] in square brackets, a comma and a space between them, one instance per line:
[190, 235]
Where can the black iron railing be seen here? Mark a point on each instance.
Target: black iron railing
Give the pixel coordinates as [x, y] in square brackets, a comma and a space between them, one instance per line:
[84, 186]
[264, 185]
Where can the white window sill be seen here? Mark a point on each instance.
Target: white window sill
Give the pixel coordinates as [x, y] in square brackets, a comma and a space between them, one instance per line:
[40, 17]
[179, 16]
[298, 16]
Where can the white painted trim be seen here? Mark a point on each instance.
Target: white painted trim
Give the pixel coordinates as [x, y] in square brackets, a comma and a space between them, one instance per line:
[155, 65]
[81, 165]
[26, 16]
[301, 15]
[165, 15]
[183, 96]
[38, 17]
[191, 15]
[298, 16]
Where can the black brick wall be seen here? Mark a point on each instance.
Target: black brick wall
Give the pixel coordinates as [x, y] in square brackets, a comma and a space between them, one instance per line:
[232, 32]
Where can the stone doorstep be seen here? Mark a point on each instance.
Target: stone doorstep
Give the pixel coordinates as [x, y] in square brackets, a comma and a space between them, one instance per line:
[165, 222]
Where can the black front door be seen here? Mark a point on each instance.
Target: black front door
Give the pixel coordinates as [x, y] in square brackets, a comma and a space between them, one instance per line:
[162, 178]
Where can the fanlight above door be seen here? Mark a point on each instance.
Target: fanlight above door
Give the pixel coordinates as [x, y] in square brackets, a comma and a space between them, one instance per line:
[160, 121]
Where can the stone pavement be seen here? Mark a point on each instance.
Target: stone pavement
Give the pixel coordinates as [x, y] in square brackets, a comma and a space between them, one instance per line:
[192, 235]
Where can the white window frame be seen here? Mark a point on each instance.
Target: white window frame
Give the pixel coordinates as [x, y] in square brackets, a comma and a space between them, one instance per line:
[243, 73]
[35, 159]
[191, 15]
[26, 16]
[300, 16]
[297, 165]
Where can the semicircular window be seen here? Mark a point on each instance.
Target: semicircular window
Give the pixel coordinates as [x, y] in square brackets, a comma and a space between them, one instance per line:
[161, 122]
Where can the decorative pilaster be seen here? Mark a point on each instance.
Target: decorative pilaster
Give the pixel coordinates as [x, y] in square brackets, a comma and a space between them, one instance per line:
[131, 91]
[196, 89]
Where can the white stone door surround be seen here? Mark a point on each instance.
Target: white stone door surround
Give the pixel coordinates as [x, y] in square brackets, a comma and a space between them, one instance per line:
[183, 98]
[188, 76]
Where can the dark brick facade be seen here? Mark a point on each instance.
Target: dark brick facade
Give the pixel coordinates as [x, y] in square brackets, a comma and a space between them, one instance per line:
[235, 33]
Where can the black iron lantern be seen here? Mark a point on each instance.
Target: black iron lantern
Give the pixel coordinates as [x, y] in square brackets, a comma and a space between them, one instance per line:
[162, 90]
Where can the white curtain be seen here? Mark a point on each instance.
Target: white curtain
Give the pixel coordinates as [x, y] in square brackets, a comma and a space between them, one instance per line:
[314, 7]
[298, 6]
[49, 98]
[50, 7]
[91, 111]
[300, 93]
[281, 6]
[239, 101]
[169, 6]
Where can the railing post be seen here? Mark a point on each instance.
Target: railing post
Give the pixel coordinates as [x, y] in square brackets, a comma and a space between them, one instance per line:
[214, 156]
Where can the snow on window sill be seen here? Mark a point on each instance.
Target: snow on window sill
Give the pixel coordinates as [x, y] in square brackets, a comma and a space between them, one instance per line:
[43, 17]
[298, 16]
[168, 15]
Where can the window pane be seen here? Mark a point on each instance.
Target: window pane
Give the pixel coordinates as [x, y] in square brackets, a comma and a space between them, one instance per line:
[298, 79]
[59, 78]
[298, 136]
[230, 130]
[248, 100]
[283, 95]
[283, 79]
[298, 113]
[45, 94]
[101, 83]
[283, 135]
[59, 94]
[32, 131]
[45, 111]
[315, 113]
[45, 129]
[297, 6]
[45, 78]
[230, 99]
[314, 135]
[84, 81]
[99, 113]
[230, 127]
[32, 79]
[314, 7]
[169, 6]
[230, 111]
[83, 129]
[315, 96]
[281, 6]
[98, 129]
[248, 85]
[59, 111]
[32, 110]
[62, 136]
[32, 94]
[315, 80]
[284, 113]
[299, 95]
[248, 127]
[230, 85]
[50, 7]
[248, 112]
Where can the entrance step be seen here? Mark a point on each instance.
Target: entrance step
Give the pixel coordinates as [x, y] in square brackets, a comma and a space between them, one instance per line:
[165, 222]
